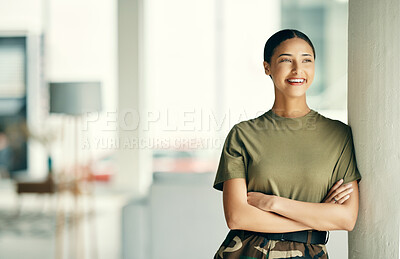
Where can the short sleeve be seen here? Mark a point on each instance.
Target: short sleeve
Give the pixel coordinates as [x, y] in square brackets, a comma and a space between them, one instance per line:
[232, 162]
[346, 166]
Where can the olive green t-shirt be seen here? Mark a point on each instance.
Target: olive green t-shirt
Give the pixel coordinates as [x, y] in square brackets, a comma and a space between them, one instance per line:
[297, 158]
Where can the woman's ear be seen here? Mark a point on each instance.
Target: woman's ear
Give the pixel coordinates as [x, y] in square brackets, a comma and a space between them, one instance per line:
[267, 68]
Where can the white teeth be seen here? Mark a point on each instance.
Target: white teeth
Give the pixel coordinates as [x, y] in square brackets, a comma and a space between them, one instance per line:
[296, 80]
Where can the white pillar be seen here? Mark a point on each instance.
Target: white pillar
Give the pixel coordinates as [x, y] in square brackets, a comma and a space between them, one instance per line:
[374, 115]
[134, 162]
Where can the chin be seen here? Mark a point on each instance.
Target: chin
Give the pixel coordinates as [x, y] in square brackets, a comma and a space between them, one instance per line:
[295, 93]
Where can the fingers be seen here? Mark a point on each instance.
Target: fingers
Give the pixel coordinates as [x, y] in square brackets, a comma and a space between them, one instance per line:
[338, 193]
[343, 196]
[335, 186]
[331, 200]
[342, 200]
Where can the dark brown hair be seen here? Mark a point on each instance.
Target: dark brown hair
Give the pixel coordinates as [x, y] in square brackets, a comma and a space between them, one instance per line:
[281, 36]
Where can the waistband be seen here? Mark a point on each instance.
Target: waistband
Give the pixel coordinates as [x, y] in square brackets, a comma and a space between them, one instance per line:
[305, 236]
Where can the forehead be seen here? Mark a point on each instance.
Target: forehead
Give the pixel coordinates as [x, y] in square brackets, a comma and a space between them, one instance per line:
[293, 46]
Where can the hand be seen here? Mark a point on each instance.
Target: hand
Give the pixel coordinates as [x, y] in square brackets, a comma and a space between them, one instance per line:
[340, 192]
[261, 200]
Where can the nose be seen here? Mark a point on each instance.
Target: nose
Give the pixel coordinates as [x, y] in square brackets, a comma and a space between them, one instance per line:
[296, 68]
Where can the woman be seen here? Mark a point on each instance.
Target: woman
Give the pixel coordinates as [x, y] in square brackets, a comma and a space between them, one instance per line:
[290, 175]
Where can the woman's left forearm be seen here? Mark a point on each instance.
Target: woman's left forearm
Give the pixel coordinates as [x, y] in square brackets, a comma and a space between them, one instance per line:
[320, 216]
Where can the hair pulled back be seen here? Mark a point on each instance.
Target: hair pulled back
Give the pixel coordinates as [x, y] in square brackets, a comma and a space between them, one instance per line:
[281, 36]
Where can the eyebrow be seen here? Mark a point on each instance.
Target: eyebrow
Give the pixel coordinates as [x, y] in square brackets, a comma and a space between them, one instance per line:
[305, 54]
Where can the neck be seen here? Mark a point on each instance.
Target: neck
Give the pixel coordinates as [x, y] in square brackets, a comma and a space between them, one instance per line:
[290, 107]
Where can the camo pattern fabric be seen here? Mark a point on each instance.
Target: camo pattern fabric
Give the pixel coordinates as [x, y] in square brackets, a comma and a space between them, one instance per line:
[241, 244]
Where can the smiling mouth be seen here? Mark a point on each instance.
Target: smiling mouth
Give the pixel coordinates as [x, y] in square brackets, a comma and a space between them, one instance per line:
[296, 81]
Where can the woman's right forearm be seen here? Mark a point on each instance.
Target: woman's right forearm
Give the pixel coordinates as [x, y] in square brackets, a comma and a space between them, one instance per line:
[250, 218]
[239, 214]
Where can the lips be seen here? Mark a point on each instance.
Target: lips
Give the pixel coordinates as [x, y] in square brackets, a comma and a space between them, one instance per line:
[296, 81]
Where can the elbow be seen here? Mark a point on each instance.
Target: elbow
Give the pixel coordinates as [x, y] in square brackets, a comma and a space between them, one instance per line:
[231, 225]
[233, 221]
[350, 225]
[348, 220]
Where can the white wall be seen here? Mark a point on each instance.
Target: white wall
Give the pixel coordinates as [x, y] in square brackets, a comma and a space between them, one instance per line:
[81, 44]
[374, 115]
[247, 90]
[134, 161]
[21, 15]
[335, 57]
[207, 59]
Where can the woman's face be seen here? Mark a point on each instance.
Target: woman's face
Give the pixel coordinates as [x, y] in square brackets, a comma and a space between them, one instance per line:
[292, 67]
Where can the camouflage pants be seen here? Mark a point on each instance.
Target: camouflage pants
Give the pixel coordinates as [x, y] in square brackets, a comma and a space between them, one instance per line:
[241, 244]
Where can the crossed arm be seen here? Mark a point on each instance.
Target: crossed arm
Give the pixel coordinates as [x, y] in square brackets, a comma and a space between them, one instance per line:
[268, 213]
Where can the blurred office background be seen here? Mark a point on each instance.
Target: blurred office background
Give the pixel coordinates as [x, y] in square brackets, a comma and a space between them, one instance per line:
[175, 76]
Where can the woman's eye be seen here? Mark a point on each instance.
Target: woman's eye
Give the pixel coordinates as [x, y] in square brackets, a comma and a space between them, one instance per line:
[308, 60]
